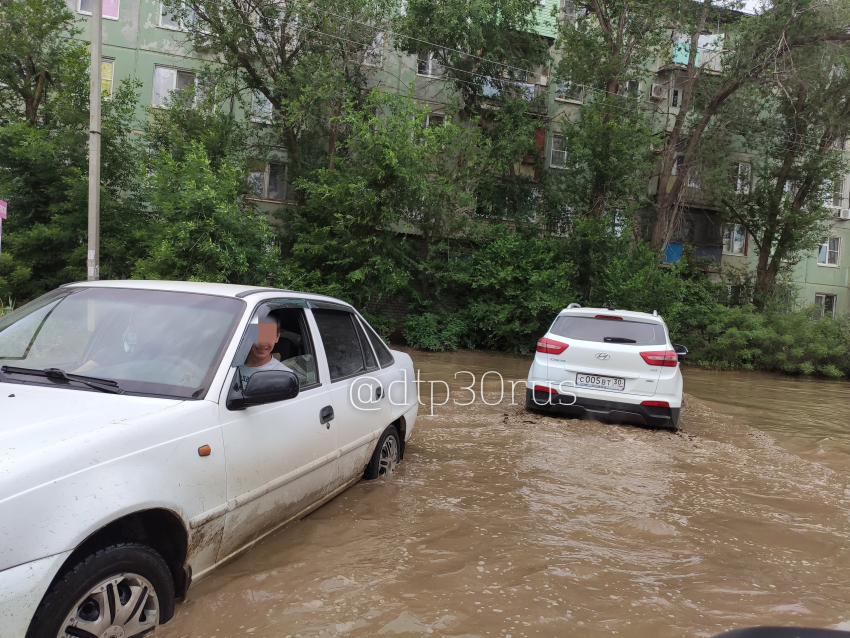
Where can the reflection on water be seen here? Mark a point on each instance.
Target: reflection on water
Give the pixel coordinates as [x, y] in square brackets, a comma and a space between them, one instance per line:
[503, 523]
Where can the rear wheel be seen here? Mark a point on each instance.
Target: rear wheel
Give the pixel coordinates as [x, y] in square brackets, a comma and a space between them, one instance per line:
[122, 591]
[386, 456]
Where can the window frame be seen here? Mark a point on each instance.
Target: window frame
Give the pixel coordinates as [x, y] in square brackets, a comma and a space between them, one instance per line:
[111, 63]
[821, 303]
[266, 174]
[746, 187]
[570, 100]
[427, 122]
[553, 150]
[181, 26]
[117, 15]
[431, 62]
[352, 317]
[373, 54]
[177, 72]
[255, 95]
[828, 252]
[731, 251]
[272, 305]
[838, 193]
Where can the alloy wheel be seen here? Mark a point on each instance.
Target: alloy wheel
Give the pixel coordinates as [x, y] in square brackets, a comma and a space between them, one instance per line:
[121, 606]
[389, 456]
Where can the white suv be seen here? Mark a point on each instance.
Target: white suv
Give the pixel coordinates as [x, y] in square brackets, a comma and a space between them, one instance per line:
[608, 364]
[151, 430]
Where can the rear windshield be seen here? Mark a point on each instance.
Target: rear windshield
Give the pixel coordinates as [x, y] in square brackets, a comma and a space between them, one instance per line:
[635, 333]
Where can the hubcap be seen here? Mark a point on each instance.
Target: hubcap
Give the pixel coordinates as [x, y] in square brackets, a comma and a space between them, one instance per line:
[389, 456]
[121, 606]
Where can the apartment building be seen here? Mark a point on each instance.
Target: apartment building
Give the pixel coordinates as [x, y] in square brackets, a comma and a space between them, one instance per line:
[141, 40]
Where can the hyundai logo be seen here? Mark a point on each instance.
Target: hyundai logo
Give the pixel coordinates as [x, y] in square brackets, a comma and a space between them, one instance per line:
[603, 355]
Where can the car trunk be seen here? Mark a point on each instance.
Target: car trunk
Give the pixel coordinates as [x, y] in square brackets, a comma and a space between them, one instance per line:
[598, 354]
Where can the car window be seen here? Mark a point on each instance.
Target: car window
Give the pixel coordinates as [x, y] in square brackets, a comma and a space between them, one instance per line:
[342, 345]
[384, 355]
[368, 355]
[147, 341]
[286, 343]
[636, 333]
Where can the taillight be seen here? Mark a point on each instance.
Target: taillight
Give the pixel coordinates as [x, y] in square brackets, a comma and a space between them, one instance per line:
[665, 358]
[656, 404]
[551, 347]
[609, 317]
[543, 388]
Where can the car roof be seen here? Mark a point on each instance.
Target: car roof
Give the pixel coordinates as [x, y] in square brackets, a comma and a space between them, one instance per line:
[625, 314]
[202, 287]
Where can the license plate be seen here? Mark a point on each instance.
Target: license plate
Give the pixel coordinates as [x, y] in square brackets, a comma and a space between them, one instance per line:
[602, 383]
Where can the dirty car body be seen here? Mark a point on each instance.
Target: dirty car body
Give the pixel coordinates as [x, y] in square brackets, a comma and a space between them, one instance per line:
[128, 434]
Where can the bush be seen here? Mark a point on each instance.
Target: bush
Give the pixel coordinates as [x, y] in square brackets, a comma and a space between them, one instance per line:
[793, 342]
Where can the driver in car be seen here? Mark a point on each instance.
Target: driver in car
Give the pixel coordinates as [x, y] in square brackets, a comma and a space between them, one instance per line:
[260, 357]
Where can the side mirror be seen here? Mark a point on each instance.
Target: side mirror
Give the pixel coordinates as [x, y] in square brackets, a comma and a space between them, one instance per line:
[681, 351]
[269, 386]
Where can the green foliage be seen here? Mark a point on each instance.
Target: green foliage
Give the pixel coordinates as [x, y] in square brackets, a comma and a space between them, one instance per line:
[392, 174]
[200, 229]
[438, 332]
[795, 343]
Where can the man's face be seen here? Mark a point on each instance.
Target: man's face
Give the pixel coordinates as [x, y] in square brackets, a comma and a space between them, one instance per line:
[267, 336]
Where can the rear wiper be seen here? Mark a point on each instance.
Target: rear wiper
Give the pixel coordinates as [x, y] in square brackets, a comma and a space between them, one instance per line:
[104, 385]
[618, 340]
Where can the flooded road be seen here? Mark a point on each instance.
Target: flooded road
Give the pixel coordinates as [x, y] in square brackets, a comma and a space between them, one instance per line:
[505, 524]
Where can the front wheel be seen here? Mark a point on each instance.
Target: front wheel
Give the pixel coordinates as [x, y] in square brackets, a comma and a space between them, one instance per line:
[386, 456]
[122, 591]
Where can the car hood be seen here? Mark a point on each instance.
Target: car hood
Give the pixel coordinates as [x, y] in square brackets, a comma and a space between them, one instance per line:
[43, 421]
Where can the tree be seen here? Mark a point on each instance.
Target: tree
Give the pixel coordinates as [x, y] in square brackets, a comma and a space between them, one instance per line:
[35, 60]
[393, 175]
[762, 48]
[606, 44]
[784, 210]
[303, 58]
[44, 130]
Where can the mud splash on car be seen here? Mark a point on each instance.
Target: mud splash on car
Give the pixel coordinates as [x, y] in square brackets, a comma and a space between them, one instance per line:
[505, 523]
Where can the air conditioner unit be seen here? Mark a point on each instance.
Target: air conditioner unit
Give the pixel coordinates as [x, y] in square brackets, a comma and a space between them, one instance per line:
[658, 92]
[843, 213]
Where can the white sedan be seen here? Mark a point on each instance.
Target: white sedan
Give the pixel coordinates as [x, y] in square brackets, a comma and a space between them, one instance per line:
[608, 364]
[150, 431]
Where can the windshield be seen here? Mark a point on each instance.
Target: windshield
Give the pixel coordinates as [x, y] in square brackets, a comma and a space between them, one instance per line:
[148, 341]
[610, 331]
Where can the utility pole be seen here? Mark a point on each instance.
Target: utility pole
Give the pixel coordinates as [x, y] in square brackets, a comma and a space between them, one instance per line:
[93, 261]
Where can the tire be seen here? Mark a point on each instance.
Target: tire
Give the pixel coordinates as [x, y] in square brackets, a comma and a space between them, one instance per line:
[109, 588]
[386, 456]
[532, 406]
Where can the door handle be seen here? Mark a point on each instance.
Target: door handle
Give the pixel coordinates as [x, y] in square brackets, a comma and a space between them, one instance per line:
[379, 392]
[326, 415]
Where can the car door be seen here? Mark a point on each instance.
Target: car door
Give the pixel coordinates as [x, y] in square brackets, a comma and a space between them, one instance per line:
[360, 404]
[280, 456]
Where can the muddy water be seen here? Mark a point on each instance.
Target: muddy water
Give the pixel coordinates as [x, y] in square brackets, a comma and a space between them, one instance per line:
[499, 523]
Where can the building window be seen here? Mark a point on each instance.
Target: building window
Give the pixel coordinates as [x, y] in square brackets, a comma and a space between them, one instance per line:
[107, 68]
[110, 8]
[674, 97]
[569, 92]
[166, 80]
[558, 158]
[428, 65]
[741, 177]
[629, 88]
[838, 193]
[733, 293]
[168, 19]
[693, 173]
[434, 119]
[824, 305]
[838, 143]
[829, 252]
[261, 108]
[568, 10]
[734, 239]
[373, 55]
[269, 181]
